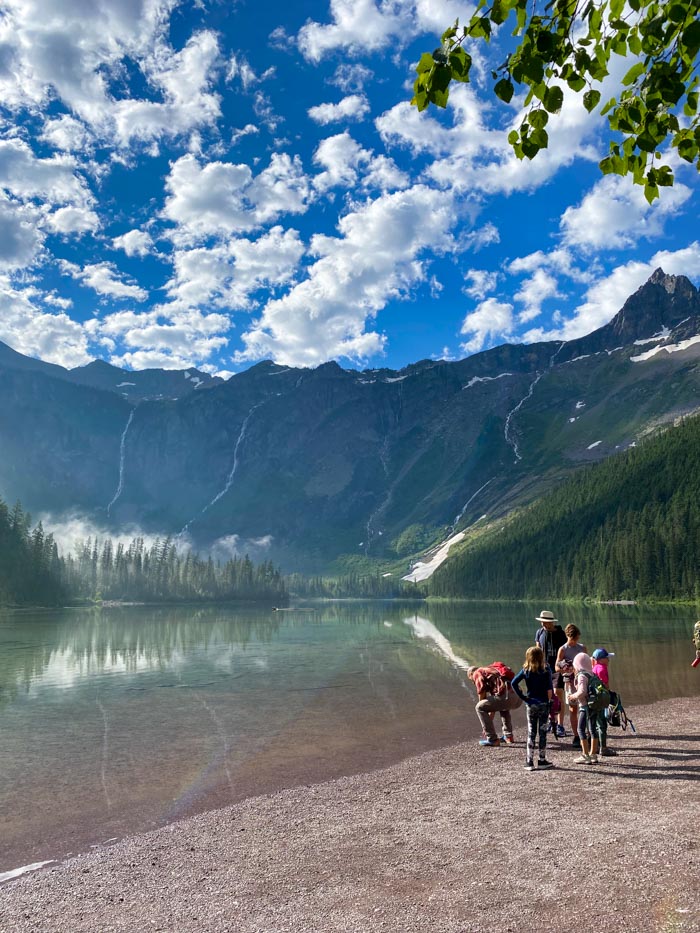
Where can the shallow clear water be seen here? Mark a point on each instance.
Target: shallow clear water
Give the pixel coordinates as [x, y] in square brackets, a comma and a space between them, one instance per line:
[119, 720]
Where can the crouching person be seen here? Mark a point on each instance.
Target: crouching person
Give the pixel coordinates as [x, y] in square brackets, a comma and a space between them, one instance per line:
[495, 696]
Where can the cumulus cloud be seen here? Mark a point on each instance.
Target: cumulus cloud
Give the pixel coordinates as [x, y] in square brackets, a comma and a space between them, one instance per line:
[607, 294]
[75, 52]
[345, 163]
[353, 107]
[20, 239]
[135, 243]
[228, 274]
[53, 180]
[30, 328]
[364, 25]
[481, 283]
[163, 337]
[615, 214]
[222, 198]
[534, 292]
[73, 220]
[492, 320]
[375, 258]
[105, 279]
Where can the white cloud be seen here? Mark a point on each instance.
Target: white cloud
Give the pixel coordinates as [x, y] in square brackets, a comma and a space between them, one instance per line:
[353, 107]
[20, 240]
[360, 26]
[53, 180]
[615, 214]
[345, 161]
[30, 329]
[229, 274]
[134, 243]
[375, 259]
[492, 320]
[105, 279]
[482, 282]
[533, 292]
[79, 220]
[351, 78]
[239, 67]
[164, 337]
[66, 133]
[607, 295]
[221, 198]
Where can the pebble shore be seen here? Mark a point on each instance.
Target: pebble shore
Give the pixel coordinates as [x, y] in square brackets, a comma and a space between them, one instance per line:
[459, 840]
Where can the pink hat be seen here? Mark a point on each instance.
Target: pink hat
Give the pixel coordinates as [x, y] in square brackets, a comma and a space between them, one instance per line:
[583, 663]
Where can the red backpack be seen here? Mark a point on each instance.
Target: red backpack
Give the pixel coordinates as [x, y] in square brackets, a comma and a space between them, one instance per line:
[504, 676]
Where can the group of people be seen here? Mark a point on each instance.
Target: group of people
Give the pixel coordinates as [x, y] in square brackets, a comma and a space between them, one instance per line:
[557, 675]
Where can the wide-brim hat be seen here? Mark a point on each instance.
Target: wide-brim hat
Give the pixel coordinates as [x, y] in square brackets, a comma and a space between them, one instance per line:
[546, 616]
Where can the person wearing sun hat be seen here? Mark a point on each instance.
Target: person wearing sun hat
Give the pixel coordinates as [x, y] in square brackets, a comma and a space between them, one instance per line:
[550, 637]
[600, 658]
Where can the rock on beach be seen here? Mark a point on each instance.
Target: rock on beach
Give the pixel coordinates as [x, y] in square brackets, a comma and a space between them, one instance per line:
[459, 840]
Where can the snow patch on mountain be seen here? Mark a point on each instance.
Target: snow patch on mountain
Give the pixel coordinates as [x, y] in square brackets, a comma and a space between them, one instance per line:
[473, 381]
[669, 348]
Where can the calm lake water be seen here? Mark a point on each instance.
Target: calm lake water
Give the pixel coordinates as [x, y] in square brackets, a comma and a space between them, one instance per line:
[120, 720]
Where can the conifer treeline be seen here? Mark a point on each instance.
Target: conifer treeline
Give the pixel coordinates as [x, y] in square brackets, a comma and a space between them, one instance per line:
[626, 528]
[30, 567]
[33, 573]
[353, 585]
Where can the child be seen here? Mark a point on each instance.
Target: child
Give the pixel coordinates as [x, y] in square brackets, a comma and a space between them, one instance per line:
[564, 665]
[696, 642]
[600, 669]
[538, 680]
[584, 668]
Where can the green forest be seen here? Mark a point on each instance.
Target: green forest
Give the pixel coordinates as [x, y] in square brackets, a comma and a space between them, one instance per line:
[627, 528]
[32, 572]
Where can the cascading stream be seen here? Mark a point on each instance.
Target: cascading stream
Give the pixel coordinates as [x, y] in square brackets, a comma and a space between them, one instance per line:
[511, 440]
[230, 478]
[122, 448]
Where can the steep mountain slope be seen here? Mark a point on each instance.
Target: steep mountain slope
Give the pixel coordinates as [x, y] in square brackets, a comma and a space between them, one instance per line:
[625, 528]
[319, 463]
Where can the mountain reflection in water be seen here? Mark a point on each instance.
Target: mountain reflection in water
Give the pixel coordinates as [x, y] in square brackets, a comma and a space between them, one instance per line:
[117, 720]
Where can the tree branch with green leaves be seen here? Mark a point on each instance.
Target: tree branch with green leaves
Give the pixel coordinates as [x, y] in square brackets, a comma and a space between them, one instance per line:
[569, 48]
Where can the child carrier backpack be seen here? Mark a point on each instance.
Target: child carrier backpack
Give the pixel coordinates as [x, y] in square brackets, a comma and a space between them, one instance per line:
[616, 714]
[598, 695]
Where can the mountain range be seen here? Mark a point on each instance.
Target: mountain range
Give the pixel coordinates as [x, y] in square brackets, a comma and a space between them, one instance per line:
[327, 465]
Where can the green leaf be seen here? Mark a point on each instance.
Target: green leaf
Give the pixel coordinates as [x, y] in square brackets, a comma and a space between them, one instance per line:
[504, 90]
[576, 82]
[513, 137]
[651, 193]
[591, 100]
[460, 63]
[538, 119]
[634, 43]
[553, 99]
[426, 63]
[691, 37]
[606, 166]
[632, 75]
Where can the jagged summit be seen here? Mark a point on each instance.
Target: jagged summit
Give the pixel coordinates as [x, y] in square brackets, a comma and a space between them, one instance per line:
[662, 303]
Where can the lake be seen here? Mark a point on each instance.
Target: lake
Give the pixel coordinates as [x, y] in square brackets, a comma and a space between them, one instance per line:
[119, 720]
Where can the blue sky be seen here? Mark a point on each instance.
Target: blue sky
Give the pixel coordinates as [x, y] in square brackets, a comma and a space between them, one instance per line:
[205, 184]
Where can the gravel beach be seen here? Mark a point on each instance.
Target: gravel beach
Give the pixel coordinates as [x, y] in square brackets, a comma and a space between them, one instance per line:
[459, 839]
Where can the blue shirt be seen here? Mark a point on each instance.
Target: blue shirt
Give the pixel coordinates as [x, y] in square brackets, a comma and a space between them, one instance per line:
[538, 684]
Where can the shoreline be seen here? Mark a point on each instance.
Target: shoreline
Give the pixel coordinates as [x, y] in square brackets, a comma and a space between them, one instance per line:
[450, 840]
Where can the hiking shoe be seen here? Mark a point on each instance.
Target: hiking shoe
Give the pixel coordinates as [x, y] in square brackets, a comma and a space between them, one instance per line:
[529, 766]
[583, 760]
[544, 765]
[561, 731]
[508, 739]
[594, 759]
[490, 742]
[607, 752]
